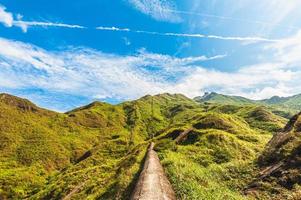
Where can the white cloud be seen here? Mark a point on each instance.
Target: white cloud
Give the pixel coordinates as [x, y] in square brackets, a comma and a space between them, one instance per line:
[90, 73]
[6, 18]
[246, 82]
[157, 9]
[247, 40]
[288, 50]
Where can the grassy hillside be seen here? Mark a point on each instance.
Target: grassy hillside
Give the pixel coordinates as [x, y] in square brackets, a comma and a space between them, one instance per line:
[293, 102]
[284, 106]
[216, 158]
[37, 145]
[96, 151]
[223, 99]
[279, 177]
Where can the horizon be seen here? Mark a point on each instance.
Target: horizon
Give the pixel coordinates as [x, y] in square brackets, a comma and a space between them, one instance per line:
[61, 55]
[116, 103]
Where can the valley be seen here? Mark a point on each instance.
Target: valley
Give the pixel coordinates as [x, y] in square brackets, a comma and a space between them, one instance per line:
[209, 147]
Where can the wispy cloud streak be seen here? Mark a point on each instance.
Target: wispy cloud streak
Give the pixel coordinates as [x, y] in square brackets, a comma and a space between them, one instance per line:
[9, 20]
[218, 37]
[112, 29]
[25, 24]
[35, 23]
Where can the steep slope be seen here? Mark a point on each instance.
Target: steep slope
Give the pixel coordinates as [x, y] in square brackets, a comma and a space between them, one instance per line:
[96, 151]
[45, 147]
[150, 115]
[258, 117]
[37, 144]
[214, 160]
[214, 157]
[281, 164]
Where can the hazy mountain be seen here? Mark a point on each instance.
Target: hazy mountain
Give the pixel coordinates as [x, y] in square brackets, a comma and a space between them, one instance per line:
[223, 99]
[293, 102]
[286, 106]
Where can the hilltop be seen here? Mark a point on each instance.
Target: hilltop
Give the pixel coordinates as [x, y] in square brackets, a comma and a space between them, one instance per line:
[293, 102]
[96, 151]
[214, 97]
[285, 106]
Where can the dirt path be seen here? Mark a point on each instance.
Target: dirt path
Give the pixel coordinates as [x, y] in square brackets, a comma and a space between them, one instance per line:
[153, 183]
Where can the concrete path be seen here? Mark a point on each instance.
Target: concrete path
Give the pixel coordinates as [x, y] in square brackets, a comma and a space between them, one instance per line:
[153, 183]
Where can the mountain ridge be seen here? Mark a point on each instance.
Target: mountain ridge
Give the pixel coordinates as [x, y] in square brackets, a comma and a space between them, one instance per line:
[99, 148]
[213, 96]
[287, 105]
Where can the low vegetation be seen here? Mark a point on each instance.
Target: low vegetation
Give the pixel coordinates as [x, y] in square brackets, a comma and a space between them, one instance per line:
[209, 150]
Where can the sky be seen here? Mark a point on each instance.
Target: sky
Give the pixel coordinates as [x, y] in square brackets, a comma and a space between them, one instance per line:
[64, 54]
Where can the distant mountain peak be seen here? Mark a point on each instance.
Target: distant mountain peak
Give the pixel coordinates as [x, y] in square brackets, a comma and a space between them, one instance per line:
[89, 106]
[166, 96]
[208, 94]
[214, 97]
[274, 99]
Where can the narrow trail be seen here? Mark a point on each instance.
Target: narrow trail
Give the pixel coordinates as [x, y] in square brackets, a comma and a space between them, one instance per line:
[153, 183]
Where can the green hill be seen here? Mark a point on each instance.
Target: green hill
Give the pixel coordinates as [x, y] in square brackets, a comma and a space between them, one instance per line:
[38, 145]
[280, 162]
[216, 158]
[293, 102]
[223, 99]
[284, 106]
[96, 151]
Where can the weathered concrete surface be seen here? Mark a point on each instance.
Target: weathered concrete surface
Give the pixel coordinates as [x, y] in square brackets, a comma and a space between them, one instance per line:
[153, 183]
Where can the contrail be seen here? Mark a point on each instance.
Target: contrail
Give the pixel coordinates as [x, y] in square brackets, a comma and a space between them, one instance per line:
[231, 18]
[24, 25]
[246, 39]
[35, 23]
[112, 29]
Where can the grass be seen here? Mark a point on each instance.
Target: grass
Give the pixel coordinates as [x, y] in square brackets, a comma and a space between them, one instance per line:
[194, 180]
[217, 166]
[96, 151]
[217, 159]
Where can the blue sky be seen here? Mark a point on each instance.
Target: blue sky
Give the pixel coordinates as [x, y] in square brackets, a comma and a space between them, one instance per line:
[63, 54]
